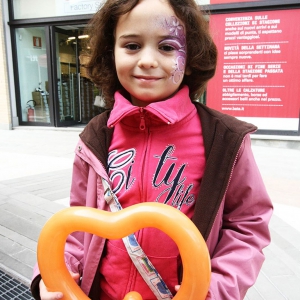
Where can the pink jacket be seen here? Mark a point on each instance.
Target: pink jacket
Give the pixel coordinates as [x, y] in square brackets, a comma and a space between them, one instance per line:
[146, 166]
[232, 210]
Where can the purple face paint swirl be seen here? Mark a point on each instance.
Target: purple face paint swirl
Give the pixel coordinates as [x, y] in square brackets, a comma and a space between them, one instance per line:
[176, 30]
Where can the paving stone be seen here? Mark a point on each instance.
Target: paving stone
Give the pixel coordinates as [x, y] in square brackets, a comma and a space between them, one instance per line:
[285, 245]
[17, 251]
[3, 198]
[29, 199]
[19, 225]
[31, 208]
[292, 236]
[289, 287]
[274, 266]
[23, 213]
[44, 213]
[253, 294]
[33, 179]
[49, 185]
[52, 207]
[16, 266]
[276, 254]
[27, 257]
[9, 246]
[277, 222]
[267, 289]
[8, 190]
[23, 240]
[39, 202]
[57, 194]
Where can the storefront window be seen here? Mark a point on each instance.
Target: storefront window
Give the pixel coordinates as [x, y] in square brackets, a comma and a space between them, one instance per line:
[33, 74]
[27, 9]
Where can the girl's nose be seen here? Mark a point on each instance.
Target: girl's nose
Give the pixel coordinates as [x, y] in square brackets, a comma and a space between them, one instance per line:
[148, 59]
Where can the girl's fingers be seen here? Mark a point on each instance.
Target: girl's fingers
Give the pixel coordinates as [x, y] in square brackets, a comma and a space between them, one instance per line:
[75, 276]
[45, 295]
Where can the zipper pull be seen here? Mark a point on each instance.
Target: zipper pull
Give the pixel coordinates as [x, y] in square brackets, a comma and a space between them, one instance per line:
[142, 121]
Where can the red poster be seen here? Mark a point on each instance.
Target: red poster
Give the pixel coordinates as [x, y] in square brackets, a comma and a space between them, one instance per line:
[258, 69]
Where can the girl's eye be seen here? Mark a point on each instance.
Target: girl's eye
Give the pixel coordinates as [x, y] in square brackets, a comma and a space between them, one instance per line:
[132, 46]
[167, 48]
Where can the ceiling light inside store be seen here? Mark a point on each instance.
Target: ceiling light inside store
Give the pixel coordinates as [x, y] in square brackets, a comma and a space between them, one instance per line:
[84, 36]
[71, 38]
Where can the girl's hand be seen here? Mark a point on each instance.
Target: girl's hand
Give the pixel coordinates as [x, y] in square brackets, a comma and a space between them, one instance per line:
[46, 295]
[177, 287]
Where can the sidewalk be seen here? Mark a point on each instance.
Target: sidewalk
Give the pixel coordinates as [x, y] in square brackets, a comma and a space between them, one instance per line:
[35, 176]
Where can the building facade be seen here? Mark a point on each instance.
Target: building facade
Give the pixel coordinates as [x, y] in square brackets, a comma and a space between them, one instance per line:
[42, 82]
[5, 105]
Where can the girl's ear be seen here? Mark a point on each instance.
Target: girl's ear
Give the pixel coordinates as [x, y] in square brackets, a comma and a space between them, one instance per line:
[187, 71]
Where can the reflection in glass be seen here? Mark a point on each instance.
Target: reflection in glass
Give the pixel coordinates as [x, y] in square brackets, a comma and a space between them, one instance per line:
[76, 93]
[33, 74]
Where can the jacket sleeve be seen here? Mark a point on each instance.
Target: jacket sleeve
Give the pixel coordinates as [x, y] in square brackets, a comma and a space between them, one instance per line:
[74, 243]
[74, 249]
[238, 256]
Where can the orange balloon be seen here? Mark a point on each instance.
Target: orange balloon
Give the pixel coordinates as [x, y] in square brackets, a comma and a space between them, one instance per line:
[133, 296]
[115, 225]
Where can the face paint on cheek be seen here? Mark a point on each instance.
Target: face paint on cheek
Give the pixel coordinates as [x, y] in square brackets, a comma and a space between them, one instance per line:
[177, 30]
[178, 69]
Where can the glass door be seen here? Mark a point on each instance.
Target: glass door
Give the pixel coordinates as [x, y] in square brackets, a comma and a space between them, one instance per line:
[32, 76]
[75, 93]
[66, 83]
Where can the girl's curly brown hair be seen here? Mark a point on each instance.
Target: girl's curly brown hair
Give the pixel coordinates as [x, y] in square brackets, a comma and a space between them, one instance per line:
[201, 50]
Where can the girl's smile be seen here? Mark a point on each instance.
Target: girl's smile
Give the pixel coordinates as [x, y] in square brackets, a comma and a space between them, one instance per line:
[150, 52]
[147, 80]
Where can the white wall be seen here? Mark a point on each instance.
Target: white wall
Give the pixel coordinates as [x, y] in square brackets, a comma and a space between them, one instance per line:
[25, 9]
[203, 2]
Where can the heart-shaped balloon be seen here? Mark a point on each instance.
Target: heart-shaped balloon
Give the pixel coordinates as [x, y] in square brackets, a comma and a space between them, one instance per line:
[191, 245]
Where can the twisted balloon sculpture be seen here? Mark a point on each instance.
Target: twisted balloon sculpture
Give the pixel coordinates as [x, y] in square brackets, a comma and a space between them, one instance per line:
[191, 245]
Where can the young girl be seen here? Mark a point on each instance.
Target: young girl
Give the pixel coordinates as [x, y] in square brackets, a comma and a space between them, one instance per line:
[152, 58]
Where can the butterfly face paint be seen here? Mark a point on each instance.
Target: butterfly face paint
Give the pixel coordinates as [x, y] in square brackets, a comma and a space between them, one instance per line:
[177, 40]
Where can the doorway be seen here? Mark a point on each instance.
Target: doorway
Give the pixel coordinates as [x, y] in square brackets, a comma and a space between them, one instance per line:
[52, 88]
[75, 93]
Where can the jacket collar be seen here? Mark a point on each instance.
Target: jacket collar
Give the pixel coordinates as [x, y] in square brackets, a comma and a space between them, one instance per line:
[169, 111]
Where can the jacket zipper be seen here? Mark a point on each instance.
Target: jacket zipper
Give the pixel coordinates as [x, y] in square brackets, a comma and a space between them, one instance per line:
[142, 127]
[142, 119]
